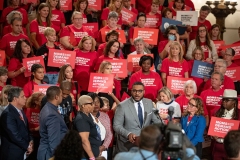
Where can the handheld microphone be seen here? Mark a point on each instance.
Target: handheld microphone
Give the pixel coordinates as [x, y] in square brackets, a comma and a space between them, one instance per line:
[156, 112]
[170, 112]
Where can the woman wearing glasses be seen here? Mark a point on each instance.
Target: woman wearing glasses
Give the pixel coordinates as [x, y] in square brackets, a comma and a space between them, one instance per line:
[194, 123]
[228, 57]
[228, 110]
[203, 40]
[71, 35]
[88, 130]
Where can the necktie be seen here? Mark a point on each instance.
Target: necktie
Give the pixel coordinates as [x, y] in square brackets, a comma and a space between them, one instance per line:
[20, 112]
[140, 114]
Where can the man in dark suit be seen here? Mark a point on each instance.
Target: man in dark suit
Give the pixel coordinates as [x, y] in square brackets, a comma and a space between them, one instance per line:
[131, 116]
[52, 125]
[16, 140]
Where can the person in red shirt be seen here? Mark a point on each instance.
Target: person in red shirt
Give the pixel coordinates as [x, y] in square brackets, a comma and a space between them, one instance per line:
[221, 67]
[57, 19]
[32, 112]
[13, 5]
[36, 79]
[203, 40]
[15, 68]
[203, 13]
[3, 77]
[175, 65]
[82, 6]
[212, 96]
[157, 20]
[86, 58]
[71, 35]
[178, 5]
[8, 29]
[66, 73]
[237, 61]
[127, 5]
[215, 33]
[150, 79]
[228, 57]
[38, 25]
[8, 42]
[114, 5]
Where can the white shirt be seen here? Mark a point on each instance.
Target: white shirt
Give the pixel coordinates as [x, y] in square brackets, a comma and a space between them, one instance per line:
[135, 53]
[136, 107]
[228, 114]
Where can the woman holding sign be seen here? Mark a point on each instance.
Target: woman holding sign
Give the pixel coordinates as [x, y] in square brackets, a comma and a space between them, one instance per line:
[15, 68]
[36, 79]
[175, 65]
[151, 80]
[229, 110]
[86, 58]
[203, 40]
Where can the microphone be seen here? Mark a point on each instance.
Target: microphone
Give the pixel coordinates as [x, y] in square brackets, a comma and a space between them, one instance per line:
[156, 112]
[170, 112]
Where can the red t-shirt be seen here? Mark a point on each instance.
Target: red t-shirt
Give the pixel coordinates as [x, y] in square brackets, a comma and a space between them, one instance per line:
[75, 91]
[237, 61]
[84, 65]
[101, 48]
[20, 80]
[183, 102]
[8, 29]
[227, 83]
[141, 5]
[57, 19]
[32, 115]
[39, 30]
[7, 10]
[8, 42]
[190, 4]
[1, 87]
[156, 24]
[104, 16]
[75, 34]
[194, 32]
[205, 50]
[212, 100]
[99, 37]
[152, 83]
[162, 45]
[233, 65]
[100, 60]
[148, 9]
[130, 36]
[29, 88]
[175, 69]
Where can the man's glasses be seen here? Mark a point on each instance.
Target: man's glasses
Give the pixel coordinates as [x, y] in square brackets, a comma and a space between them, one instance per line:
[226, 99]
[137, 91]
[191, 105]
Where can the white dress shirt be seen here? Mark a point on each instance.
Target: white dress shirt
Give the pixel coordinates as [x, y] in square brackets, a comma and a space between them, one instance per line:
[136, 107]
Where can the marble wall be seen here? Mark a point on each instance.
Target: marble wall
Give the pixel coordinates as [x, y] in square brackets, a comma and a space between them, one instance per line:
[232, 22]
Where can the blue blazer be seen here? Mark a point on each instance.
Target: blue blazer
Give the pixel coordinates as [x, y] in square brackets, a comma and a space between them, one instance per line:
[195, 129]
[15, 134]
[52, 130]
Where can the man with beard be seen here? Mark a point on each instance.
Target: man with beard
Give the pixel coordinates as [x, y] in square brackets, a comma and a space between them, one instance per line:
[131, 116]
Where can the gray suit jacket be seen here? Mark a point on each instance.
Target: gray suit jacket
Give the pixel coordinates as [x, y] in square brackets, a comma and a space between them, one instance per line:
[126, 121]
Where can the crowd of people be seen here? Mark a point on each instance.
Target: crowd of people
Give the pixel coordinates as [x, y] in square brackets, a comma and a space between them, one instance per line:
[69, 122]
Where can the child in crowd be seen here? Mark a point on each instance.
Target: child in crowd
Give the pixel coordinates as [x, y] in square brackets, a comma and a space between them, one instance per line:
[166, 98]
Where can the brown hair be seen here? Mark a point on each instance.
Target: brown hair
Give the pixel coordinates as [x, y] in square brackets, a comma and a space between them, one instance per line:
[182, 1]
[219, 35]
[77, 6]
[235, 114]
[199, 105]
[62, 76]
[58, 7]
[113, 8]
[108, 47]
[165, 10]
[111, 33]
[3, 100]
[175, 43]
[85, 38]
[48, 19]
[208, 40]
[31, 101]
[194, 52]
[103, 65]
[156, 2]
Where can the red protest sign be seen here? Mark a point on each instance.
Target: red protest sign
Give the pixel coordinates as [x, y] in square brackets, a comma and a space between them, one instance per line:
[119, 67]
[92, 27]
[149, 36]
[175, 84]
[95, 4]
[219, 127]
[57, 58]
[2, 58]
[236, 47]
[133, 62]
[28, 62]
[124, 96]
[66, 5]
[41, 88]
[122, 37]
[152, 21]
[233, 74]
[128, 16]
[218, 46]
[100, 83]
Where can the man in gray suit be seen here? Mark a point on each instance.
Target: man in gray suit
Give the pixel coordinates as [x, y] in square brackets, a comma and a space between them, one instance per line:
[131, 116]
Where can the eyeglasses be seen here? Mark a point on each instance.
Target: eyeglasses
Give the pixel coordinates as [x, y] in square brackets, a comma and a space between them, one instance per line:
[90, 103]
[218, 66]
[226, 99]
[137, 91]
[204, 30]
[191, 105]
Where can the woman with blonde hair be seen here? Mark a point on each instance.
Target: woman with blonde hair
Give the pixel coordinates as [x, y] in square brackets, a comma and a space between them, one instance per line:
[32, 112]
[4, 98]
[194, 123]
[174, 65]
[86, 58]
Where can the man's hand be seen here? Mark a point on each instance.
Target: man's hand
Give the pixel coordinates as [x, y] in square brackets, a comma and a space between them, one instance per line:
[131, 137]
[30, 148]
[101, 149]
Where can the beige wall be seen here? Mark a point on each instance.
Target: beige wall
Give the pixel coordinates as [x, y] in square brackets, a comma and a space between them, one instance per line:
[232, 22]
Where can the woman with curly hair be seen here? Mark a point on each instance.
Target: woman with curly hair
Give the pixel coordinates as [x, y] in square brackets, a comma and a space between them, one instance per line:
[194, 123]
[70, 147]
